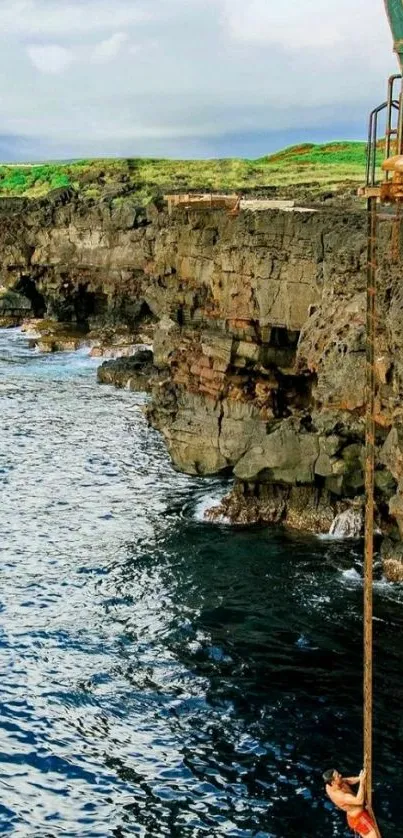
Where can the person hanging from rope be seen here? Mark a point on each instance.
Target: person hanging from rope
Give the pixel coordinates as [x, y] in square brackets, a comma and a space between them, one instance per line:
[338, 788]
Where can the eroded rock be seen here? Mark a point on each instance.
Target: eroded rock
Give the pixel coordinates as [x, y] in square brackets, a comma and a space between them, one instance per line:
[392, 560]
[136, 372]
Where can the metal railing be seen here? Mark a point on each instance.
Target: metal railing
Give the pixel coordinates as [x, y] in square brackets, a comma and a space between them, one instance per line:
[394, 128]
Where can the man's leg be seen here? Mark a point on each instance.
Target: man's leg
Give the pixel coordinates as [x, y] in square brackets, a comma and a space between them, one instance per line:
[371, 834]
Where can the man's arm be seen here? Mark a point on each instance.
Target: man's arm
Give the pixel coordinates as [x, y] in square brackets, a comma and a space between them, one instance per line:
[352, 799]
[352, 781]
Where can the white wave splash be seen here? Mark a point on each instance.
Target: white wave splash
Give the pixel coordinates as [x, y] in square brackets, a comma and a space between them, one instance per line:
[351, 576]
[347, 524]
[203, 507]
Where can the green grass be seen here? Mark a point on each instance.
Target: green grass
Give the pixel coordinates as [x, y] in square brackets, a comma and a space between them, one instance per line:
[334, 166]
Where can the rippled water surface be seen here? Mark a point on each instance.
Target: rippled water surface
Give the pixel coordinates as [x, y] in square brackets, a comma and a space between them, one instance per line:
[160, 676]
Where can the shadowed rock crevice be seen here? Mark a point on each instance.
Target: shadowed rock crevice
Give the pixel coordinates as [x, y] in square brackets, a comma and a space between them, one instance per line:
[27, 287]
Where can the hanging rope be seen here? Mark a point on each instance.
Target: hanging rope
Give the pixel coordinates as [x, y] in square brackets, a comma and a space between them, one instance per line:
[369, 492]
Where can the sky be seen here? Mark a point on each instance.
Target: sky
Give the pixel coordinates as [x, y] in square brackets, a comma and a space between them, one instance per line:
[187, 78]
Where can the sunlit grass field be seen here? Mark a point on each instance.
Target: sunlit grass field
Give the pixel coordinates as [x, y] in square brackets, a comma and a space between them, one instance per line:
[332, 166]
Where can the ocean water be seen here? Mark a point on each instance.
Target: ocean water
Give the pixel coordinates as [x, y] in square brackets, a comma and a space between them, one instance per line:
[162, 676]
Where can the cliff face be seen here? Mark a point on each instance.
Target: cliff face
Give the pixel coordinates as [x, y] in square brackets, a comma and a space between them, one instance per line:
[76, 262]
[259, 344]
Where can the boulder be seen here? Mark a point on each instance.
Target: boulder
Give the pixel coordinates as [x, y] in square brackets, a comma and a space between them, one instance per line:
[391, 454]
[385, 483]
[392, 560]
[287, 455]
[14, 307]
[396, 508]
[241, 428]
[193, 435]
[136, 372]
[263, 503]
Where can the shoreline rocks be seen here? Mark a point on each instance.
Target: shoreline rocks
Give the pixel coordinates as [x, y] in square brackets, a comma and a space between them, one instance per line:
[136, 372]
[258, 326]
[53, 336]
[14, 307]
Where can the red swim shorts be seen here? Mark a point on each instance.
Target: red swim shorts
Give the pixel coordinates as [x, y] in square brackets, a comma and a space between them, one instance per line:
[362, 823]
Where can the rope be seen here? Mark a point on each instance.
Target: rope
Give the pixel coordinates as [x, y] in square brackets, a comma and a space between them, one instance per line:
[370, 506]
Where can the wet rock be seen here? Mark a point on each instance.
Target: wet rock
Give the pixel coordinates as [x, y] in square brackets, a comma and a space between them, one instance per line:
[62, 343]
[310, 511]
[392, 560]
[49, 336]
[393, 570]
[14, 307]
[296, 507]
[136, 372]
[349, 523]
[244, 505]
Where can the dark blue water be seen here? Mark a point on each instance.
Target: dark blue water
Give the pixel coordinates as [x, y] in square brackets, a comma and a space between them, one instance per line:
[160, 676]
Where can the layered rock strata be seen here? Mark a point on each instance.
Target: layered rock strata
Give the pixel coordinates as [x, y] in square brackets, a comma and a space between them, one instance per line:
[259, 344]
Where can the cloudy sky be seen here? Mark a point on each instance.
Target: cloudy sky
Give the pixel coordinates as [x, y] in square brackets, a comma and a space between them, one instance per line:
[187, 78]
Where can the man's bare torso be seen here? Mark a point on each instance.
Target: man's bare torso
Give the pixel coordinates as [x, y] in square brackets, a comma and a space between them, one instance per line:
[336, 798]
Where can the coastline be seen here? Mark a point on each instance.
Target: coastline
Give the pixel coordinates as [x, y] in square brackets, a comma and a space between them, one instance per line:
[257, 323]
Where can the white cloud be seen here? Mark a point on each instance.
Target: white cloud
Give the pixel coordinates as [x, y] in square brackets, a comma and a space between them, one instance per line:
[48, 18]
[270, 22]
[109, 48]
[301, 24]
[145, 46]
[50, 58]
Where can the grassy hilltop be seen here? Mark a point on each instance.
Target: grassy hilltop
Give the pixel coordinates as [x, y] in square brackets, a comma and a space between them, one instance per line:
[334, 166]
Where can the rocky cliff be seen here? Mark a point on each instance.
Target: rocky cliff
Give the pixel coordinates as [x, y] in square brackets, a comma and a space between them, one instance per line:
[259, 343]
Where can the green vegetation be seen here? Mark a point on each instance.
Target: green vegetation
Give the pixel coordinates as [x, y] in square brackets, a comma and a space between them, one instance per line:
[318, 167]
[32, 180]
